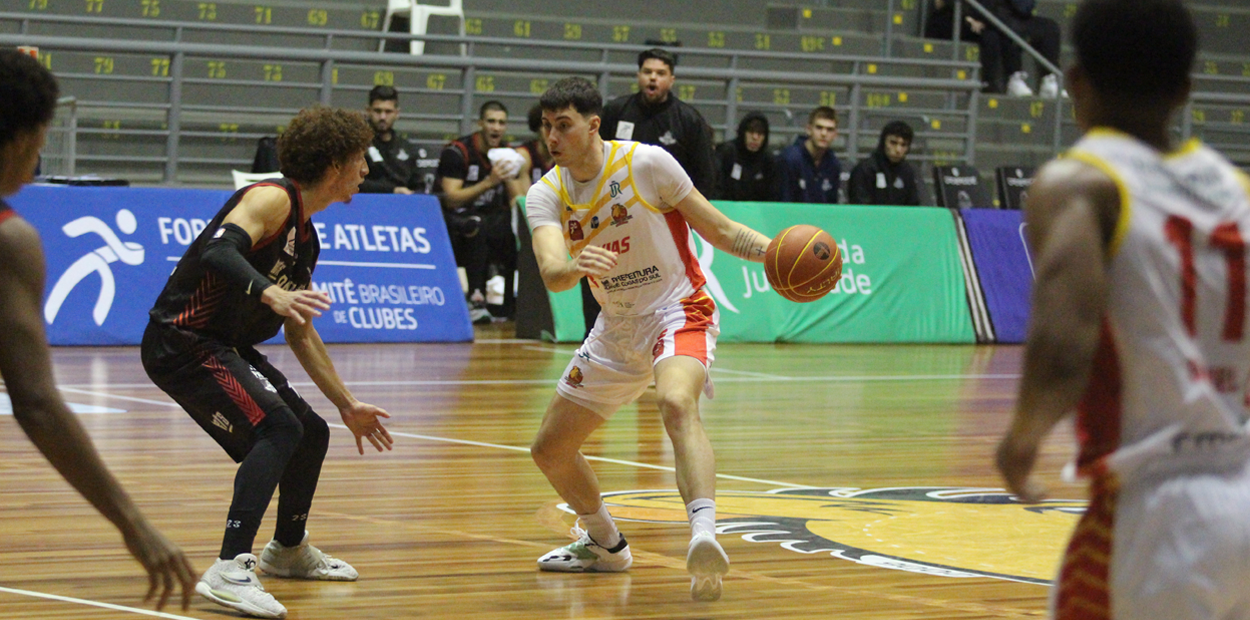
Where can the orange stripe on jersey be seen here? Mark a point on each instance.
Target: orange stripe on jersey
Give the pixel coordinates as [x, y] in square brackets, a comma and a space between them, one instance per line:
[681, 235]
[691, 338]
[1101, 409]
[1084, 591]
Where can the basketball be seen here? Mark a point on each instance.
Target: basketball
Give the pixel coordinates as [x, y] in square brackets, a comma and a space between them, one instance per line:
[803, 263]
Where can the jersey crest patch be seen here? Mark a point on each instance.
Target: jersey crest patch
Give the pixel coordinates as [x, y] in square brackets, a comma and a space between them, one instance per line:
[620, 215]
[575, 231]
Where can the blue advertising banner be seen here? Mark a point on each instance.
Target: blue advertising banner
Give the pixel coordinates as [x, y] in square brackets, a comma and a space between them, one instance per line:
[1004, 267]
[386, 262]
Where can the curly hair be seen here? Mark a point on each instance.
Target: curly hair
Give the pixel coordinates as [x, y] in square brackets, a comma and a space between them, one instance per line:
[28, 95]
[319, 137]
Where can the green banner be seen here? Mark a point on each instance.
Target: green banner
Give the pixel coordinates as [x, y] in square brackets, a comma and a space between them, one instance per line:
[901, 280]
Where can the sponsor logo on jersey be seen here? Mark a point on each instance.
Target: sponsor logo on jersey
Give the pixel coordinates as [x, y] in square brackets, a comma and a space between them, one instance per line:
[575, 231]
[620, 215]
[659, 345]
[944, 531]
[575, 377]
[614, 188]
[594, 222]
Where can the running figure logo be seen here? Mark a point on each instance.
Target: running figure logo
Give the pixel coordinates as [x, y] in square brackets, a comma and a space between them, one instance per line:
[97, 261]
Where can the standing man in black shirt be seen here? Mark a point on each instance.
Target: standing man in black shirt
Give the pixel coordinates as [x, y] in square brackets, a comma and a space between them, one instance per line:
[247, 275]
[392, 169]
[478, 209]
[654, 115]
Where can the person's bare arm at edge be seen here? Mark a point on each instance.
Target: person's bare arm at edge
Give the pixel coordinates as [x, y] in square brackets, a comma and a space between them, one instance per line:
[361, 419]
[561, 273]
[262, 212]
[1071, 215]
[27, 371]
[723, 233]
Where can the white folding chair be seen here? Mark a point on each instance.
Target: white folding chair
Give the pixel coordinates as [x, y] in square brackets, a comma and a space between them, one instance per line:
[243, 179]
[419, 19]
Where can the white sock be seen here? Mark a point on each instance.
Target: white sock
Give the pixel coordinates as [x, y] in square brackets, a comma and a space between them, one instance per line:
[601, 527]
[702, 515]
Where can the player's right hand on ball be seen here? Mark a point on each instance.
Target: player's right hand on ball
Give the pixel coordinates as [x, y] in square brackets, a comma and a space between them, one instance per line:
[595, 261]
[299, 306]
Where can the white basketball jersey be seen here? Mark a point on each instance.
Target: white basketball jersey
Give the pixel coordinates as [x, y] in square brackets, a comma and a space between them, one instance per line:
[1168, 391]
[626, 209]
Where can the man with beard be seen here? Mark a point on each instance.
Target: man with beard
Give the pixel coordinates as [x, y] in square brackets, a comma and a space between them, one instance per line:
[747, 170]
[654, 115]
[392, 169]
[884, 178]
[478, 209]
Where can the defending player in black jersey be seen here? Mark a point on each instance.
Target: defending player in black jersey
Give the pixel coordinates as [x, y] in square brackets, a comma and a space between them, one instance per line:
[244, 277]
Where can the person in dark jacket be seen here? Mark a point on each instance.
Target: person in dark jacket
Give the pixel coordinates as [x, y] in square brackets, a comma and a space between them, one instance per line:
[392, 168]
[654, 115]
[808, 171]
[884, 177]
[747, 171]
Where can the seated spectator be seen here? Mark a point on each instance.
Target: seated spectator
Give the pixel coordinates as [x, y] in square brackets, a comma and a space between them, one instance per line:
[992, 44]
[885, 178]
[478, 209]
[1040, 32]
[1001, 58]
[808, 171]
[538, 161]
[747, 169]
[392, 169]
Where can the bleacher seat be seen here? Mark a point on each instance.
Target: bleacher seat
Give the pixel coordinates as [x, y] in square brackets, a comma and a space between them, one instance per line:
[1013, 186]
[959, 187]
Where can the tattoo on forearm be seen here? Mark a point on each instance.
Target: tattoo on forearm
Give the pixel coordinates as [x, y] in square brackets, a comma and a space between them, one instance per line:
[745, 246]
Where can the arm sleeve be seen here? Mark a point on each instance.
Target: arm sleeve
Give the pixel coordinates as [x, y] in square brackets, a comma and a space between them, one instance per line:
[662, 175]
[858, 190]
[542, 206]
[224, 254]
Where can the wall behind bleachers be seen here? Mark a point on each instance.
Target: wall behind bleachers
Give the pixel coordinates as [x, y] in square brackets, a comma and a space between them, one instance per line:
[128, 141]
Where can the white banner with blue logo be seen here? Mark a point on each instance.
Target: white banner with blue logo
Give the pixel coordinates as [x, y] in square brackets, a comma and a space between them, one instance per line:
[386, 262]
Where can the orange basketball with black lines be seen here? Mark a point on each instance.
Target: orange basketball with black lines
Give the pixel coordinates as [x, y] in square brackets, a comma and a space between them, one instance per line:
[803, 263]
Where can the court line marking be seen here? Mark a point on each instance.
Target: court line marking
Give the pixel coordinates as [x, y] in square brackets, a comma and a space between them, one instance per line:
[746, 379]
[79, 601]
[481, 444]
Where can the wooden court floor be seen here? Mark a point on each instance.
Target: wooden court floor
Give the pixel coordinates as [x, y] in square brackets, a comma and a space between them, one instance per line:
[856, 482]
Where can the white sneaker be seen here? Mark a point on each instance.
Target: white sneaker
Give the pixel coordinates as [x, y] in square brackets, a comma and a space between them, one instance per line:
[586, 556]
[707, 564]
[234, 584]
[304, 561]
[1050, 88]
[1017, 87]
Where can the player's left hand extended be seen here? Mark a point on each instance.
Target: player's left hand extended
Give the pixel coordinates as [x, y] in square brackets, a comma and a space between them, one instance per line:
[362, 419]
[1015, 459]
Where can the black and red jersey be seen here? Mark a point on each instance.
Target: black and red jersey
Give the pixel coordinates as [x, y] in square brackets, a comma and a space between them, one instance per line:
[202, 301]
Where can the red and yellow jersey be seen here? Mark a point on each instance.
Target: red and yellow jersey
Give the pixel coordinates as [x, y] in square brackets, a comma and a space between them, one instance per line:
[1169, 387]
[628, 209]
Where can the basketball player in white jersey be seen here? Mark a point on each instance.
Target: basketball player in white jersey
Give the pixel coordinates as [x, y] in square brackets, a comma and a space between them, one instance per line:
[1139, 324]
[623, 211]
